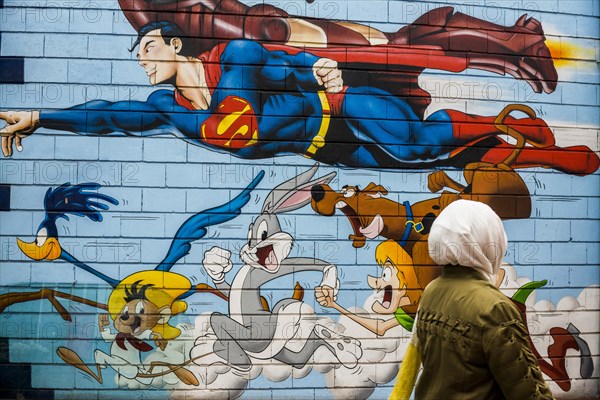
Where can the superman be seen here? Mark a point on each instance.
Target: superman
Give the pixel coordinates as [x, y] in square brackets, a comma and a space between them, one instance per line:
[260, 101]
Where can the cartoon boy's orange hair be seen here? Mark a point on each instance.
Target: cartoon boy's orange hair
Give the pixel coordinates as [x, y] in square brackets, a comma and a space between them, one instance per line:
[391, 251]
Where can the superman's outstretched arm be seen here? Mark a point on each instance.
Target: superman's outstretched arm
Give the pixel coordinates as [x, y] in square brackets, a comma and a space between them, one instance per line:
[158, 115]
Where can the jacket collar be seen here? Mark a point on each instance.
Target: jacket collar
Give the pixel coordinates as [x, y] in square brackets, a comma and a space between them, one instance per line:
[460, 272]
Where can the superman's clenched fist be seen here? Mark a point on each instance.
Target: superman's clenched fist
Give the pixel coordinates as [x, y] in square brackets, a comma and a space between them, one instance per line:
[326, 73]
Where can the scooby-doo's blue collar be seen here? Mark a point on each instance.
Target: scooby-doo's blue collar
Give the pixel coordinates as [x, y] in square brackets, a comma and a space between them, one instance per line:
[410, 223]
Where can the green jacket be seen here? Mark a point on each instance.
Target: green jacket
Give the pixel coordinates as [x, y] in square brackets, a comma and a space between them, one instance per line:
[473, 342]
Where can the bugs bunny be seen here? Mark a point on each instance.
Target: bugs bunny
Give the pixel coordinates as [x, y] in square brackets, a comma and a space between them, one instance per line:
[249, 329]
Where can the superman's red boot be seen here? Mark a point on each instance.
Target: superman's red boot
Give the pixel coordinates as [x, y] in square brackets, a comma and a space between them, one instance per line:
[467, 128]
[573, 160]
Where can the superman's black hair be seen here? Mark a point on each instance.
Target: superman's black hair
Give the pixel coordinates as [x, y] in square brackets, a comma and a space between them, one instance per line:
[168, 31]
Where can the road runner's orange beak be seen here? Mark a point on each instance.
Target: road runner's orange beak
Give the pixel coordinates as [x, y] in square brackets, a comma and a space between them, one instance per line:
[50, 250]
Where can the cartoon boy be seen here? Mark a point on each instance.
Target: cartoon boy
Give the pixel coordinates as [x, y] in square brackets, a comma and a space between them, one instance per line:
[398, 287]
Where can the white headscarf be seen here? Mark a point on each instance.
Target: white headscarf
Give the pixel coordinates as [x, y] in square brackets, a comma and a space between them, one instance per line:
[471, 234]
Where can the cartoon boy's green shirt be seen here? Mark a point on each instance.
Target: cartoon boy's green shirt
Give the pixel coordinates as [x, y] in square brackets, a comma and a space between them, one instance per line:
[405, 320]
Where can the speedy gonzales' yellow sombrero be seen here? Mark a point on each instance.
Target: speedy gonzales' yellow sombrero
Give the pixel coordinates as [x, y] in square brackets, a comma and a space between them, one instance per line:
[166, 288]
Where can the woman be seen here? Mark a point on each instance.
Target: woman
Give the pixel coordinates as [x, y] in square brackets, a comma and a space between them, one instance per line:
[470, 338]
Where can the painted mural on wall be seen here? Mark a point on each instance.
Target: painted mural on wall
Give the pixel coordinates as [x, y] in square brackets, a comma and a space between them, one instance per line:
[290, 164]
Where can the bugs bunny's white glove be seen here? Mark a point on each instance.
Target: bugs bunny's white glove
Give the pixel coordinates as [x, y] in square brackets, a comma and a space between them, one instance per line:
[217, 262]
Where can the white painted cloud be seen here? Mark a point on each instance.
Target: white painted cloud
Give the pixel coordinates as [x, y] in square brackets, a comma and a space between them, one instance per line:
[378, 364]
[582, 313]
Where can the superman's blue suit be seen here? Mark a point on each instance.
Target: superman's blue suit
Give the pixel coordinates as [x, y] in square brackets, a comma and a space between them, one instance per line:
[268, 103]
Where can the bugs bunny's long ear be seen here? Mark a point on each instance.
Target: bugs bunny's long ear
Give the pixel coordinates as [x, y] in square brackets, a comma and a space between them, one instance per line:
[295, 193]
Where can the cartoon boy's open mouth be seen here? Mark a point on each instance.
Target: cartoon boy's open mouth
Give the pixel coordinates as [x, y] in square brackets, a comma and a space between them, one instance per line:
[387, 296]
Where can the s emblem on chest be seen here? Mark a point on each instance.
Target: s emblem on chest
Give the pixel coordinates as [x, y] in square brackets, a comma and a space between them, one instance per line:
[232, 125]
